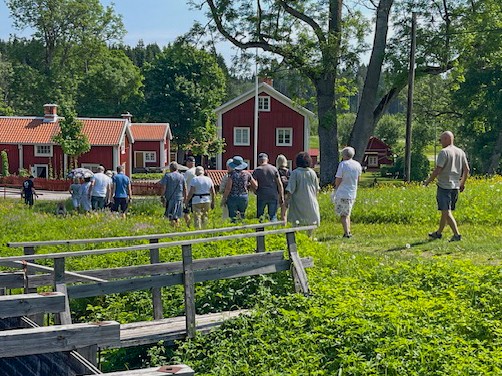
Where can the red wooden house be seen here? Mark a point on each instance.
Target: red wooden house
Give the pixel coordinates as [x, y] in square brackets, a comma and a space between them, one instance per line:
[151, 148]
[283, 127]
[377, 153]
[29, 145]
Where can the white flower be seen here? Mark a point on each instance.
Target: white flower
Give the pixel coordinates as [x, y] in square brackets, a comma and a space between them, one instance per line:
[408, 246]
[297, 222]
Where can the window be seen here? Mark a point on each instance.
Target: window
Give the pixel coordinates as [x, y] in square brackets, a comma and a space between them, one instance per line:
[373, 160]
[90, 166]
[43, 150]
[241, 136]
[150, 156]
[284, 136]
[263, 103]
[40, 171]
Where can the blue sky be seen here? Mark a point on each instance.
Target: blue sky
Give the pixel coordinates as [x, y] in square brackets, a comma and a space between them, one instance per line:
[154, 21]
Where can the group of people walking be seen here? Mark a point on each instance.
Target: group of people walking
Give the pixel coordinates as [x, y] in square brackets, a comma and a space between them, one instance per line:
[102, 190]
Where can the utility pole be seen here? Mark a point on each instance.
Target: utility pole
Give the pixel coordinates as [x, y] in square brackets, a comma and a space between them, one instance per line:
[409, 112]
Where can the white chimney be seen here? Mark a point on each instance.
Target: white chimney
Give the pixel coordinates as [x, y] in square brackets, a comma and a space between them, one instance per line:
[50, 113]
[127, 116]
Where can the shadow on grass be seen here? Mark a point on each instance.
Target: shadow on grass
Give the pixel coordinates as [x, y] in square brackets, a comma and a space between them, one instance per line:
[409, 246]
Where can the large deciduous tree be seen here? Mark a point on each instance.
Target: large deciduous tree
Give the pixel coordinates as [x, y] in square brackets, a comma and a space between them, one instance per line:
[71, 33]
[312, 38]
[183, 85]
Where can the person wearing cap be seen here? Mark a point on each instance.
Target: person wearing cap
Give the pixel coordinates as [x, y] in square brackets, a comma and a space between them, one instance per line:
[122, 191]
[270, 193]
[174, 194]
[223, 183]
[189, 175]
[236, 190]
[201, 193]
[100, 190]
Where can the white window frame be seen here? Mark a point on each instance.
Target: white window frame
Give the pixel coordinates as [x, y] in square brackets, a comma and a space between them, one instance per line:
[240, 142]
[372, 158]
[42, 154]
[37, 165]
[153, 160]
[264, 103]
[90, 166]
[277, 138]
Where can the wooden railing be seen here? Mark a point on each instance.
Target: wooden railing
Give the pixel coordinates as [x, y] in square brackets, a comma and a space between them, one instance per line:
[156, 275]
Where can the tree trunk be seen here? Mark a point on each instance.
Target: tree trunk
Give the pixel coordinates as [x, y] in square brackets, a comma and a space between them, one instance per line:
[495, 157]
[366, 120]
[327, 129]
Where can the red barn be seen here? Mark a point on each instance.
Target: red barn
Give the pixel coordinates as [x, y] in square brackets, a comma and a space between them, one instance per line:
[29, 146]
[283, 127]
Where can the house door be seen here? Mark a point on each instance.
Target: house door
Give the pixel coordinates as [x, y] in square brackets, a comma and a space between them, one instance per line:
[139, 159]
[40, 171]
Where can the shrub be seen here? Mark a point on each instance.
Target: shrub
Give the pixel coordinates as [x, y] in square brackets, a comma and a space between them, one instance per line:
[420, 167]
[5, 163]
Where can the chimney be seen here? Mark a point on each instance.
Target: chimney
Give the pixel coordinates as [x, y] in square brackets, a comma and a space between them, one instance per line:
[127, 116]
[268, 80]
[50, 113]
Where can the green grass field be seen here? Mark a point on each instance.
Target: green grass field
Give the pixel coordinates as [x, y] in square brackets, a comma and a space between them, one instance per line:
[387, 302]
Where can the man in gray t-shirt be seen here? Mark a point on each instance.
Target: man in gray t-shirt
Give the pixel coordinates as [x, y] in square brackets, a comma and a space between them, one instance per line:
[451, 171]
[269, 193]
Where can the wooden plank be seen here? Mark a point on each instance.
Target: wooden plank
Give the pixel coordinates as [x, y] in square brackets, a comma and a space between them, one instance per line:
[155, 269]
[49, 339]
[158, 309]
[144, 247]
[12, 280]
[38, 318]
[177, 369]
[29, 304]
[141, 237]
[260, 241]
[189, 289]
[170, 329]
[297, 269]
[146, 283]
[60, 286]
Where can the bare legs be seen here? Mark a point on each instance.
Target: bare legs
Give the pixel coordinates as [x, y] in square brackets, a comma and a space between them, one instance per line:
[345, 219]
[447, 219]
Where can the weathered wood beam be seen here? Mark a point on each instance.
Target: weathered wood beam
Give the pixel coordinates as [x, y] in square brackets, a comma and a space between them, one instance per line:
[178, 369]
[49, 339]
[142, 237]
[29, 304]
[144, 247]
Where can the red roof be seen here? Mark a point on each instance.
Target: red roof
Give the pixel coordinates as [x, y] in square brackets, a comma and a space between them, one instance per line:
[26, 130]
[150, 131]
[32, 130]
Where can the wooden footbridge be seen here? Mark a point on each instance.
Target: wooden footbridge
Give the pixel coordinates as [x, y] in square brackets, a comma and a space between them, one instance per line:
[24, 314]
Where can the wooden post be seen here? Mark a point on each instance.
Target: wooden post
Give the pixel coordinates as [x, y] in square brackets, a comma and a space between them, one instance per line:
[189, 286]
[39, 317]
[158, 310]
[260, 241]
[297, 269]
[60, 286]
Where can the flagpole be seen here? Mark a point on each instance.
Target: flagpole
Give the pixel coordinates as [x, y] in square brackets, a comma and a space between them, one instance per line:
[255, 152]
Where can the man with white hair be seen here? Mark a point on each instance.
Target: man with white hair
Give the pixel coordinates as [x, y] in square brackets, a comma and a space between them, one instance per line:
[100, 190]
[346, 179]
[201, 193]
[452, 170]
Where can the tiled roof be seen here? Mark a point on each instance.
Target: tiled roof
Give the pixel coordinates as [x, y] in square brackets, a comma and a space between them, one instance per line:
[216, 176]
[103, 131]
[31, 130]
[26, 130]
[149, 131]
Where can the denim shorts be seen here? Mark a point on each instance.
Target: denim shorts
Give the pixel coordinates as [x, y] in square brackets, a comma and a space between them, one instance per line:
[446, 198]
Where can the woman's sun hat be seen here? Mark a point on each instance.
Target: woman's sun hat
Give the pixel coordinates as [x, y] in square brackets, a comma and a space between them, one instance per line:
[238, 163]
